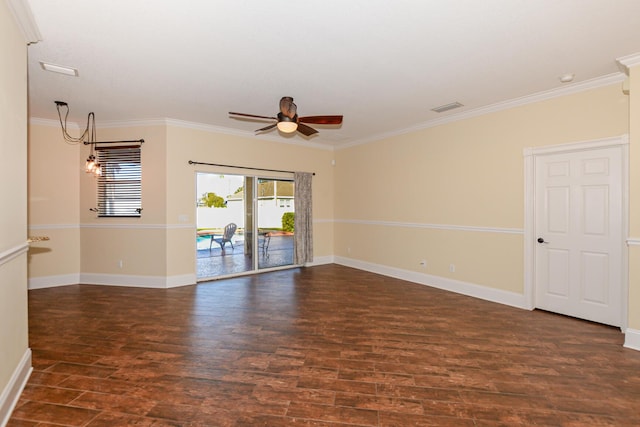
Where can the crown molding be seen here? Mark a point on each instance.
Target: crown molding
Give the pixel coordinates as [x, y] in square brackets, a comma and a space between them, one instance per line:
[610, 79]
[183, 124]
[243, 134]
[629, 61]
[607, 80]
[36, 121]
[24, 18]
[108, 124]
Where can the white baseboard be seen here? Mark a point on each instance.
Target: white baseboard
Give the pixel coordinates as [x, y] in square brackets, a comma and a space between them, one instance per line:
[322, 260]
[160, 282]
[17, 382]
[470, 289]
[54, 281]
[632, 339]
[181, 280]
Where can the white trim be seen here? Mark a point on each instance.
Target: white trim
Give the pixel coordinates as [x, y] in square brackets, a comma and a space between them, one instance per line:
[53, 281]
[465, 288]
[108, 124]
[578, 87]
[564, 90]
[613, 141]
[53, 226]
[633, 241]
[629, 61]
[25, 20]
[139, 226]
[13, 253]
[632, 339]
[36, 121]
[217, 130]
[323, 221]
[433, 226]
[181, 280]
[186, 125]
[529, 210]
[323, 260]
[112, 226]
[157, 282]
[11, 393]
[529, 228]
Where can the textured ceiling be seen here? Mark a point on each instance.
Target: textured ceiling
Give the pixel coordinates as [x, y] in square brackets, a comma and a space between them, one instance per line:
[382, 64]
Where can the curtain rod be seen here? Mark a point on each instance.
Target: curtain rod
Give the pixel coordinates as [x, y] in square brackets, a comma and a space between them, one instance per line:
[140, 141]
[191, 162]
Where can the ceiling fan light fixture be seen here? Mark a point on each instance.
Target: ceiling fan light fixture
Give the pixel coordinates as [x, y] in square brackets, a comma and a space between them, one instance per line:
[286, 124]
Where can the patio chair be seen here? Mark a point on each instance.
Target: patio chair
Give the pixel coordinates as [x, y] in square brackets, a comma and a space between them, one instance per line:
[229, 231]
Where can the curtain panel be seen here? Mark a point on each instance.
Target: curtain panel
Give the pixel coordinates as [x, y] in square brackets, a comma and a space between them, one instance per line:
[303, 223]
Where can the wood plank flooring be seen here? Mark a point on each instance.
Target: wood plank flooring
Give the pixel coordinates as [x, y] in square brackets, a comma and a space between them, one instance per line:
[320, 346]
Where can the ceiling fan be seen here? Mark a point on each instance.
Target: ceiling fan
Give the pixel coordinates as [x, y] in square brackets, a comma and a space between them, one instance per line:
[288, 120]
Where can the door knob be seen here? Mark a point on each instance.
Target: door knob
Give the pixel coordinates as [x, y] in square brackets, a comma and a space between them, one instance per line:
[541, 240]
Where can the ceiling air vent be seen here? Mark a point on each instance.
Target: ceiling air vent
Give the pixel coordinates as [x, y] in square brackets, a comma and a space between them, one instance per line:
[447, 107]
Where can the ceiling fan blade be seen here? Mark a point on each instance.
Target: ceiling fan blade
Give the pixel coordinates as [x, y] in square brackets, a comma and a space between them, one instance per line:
[251, 115]
[306, 130]
[321, 120]
[267, 127]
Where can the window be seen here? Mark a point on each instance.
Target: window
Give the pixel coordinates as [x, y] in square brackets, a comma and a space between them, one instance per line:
[284, 203]
[120, 184]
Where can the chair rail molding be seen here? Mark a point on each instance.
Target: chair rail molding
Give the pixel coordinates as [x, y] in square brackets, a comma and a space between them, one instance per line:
[633, 241]
[13, 253]
[449, 227]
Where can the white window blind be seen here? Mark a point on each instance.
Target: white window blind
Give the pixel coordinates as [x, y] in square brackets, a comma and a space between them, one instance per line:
[120, 184]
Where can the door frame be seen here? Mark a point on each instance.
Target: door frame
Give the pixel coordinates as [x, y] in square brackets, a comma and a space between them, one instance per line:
[530, 156]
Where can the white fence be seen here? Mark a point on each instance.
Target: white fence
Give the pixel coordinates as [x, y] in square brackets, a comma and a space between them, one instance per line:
[269, 215]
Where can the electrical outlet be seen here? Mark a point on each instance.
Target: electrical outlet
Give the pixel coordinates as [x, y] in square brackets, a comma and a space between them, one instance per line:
[120, 263]
[348, 250]
[452, 268]
[423, 263]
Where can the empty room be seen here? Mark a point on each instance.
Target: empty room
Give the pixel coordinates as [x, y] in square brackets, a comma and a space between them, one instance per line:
[363, 213]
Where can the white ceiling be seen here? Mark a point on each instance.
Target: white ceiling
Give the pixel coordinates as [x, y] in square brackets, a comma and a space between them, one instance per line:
[382, 64]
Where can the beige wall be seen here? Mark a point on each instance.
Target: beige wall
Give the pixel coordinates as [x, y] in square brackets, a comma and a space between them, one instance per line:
[449, 195]
[53, 186]
[157, 249]
[186, 144]
[454, 194]
[13, 214]
[131, 247]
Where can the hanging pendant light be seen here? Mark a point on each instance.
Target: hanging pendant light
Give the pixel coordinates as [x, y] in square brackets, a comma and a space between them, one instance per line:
[88, 137]
[90, 164]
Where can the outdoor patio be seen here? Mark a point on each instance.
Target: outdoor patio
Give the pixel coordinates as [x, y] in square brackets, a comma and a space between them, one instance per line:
[213, 263]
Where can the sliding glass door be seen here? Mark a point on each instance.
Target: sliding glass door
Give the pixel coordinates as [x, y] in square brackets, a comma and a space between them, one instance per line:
[275, 222]
[244, 224]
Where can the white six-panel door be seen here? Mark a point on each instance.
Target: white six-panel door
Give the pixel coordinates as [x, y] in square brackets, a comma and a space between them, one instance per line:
[578, 223]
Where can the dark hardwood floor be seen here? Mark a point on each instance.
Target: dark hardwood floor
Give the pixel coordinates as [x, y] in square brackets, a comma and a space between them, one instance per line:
[321, 346]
